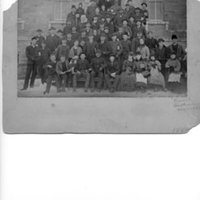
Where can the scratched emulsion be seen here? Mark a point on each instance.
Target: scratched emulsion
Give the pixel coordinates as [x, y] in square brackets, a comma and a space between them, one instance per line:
[105, 115]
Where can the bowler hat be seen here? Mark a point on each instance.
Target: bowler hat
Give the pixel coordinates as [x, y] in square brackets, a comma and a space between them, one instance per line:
[174, 36]
[144, 4]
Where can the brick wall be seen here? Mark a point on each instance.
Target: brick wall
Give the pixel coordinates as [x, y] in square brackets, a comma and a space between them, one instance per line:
[175, 14]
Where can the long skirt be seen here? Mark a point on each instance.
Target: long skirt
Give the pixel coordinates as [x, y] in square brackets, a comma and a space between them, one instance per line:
[156, 78]
[127, 81]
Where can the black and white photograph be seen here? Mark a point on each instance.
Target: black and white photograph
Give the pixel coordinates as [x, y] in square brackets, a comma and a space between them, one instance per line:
[102, 48]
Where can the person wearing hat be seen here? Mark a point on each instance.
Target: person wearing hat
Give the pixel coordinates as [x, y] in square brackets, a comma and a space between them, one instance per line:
[95, 22]
[126, 46]
[69, 40]
[126, 28]
[112, 72]
[103, 10]
[161, 54]
[101, 28]
[96, 35]
[90, 12]
[51, 74]
[145, 12]
[82, 71]
[90, 48]
[32, 57]
[88, 29]
[127, 77]
[83, 22]
[119, 18]
[173, 67]
[67, 29]
[138, 14]
[136, 42]
[128, 11]
[40, 37]
[60, 36]
[109, 24]
[52, 40]
[83, 36]
[108, 3]
[120, 32]
[63, 49]
[151, 42]
[44, 55]
[72, 15]
[103, 46]
[139, 28]
[75, 33]
[98, 65]
[177, 48]
[62, 69]
[108, 33]
[80, 10]
[132, 25]
[116, 47]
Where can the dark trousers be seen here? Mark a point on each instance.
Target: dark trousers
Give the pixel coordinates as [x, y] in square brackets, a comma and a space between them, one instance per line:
[41, 71]
[50, 78]
[85, 75]
[31, 72]
[62, 79]
[100, 76]
[112, 83]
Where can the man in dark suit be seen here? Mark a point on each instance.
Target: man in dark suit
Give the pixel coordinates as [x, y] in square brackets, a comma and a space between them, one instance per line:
[32, 57]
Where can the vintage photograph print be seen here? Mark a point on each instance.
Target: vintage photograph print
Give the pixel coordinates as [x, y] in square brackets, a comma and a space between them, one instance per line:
[102, 48]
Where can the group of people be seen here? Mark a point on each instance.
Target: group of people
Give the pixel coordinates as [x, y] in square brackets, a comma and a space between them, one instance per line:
[107, 45]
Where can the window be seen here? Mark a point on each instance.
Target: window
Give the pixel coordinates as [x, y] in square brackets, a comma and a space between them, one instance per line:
[60, 9]
[63, 7]
[156, 10]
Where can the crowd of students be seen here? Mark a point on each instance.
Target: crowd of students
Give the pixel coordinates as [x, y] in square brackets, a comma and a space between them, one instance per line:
[106, 44]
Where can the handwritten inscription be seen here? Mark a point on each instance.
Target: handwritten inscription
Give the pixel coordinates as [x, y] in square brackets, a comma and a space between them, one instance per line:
[186, 105]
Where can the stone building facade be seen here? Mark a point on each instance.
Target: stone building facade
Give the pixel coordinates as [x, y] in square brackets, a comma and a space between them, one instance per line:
[166, 17]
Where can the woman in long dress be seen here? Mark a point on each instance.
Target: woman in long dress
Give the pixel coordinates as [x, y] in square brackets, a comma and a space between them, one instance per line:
[127, 78]
[156, 79]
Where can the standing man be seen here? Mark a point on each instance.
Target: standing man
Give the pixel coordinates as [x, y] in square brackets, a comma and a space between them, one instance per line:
[72, 15]
[40, 37]
[52, 40]
[32, 57]
[98, 65]
[177, 48]
[151, 42]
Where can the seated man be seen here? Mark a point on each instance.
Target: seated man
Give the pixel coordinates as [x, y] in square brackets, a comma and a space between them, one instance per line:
[82, 69]
[112, 72]
[62, 69]
[51, 74]
[98, 65]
